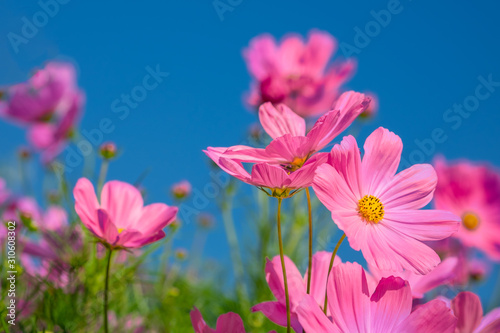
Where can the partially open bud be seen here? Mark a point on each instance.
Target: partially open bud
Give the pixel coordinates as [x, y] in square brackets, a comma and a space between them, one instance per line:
[181, 190]
[206, 220]
[107, 150]
[372, 109]
[24, 153]
[181, 254]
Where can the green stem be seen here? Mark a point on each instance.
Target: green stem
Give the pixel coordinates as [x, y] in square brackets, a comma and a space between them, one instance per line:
[102, 176]
[287, 298]
[309, 271]
[334, 253]
[232, 239]
[106, 288]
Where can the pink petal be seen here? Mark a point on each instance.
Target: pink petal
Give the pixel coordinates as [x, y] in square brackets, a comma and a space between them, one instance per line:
[86, 205]
[332, 190]
[274, 277]
[41, 135]
[432, 317]
[287, 148]
[55, 218]
[467, 308]
[490, 322]
[260, 56]
[234, 169]
[290, 52]
[275, 311]
[381, 160]
[270, 176]
[391, 250]
[442, 274]
[390, 304]
[318, 50]
[230, 322]
[324, 130]
[243, 154]
[312, 318]
[280, 120]
[348, 298]
[346, 159]
[411, 188]
[155, 217]
[319, 272]
[199, 324]
[424, 225]
[108, 229]
[123, 203]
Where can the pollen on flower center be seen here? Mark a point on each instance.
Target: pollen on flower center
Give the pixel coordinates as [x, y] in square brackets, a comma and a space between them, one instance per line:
[120, 230]
[371, 209]
[470, 221]
[296, 163]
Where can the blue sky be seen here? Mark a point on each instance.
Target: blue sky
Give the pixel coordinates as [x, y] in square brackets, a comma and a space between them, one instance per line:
[427, 58]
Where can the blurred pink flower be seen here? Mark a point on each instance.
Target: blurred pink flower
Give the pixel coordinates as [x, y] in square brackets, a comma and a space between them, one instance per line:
[181, 189]
[50, 137]
[227, 323]
[378, 209]
[127, 324]
[388, 309]
[466, 306]
[276, 310]
[473, 193]
[121, 220]
[443, 274]
[295, 73]
[47, 93]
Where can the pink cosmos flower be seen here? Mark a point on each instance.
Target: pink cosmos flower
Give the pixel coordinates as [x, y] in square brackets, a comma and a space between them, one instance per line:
[49, 91]
[354, 308]
[295, 73]
[444, 273]
[121, 220]
[181, 189]
[473, 193]
[297, 286]
[226, 323]
[466, 306]
[378, 209]
[289, 160]
[291, 146]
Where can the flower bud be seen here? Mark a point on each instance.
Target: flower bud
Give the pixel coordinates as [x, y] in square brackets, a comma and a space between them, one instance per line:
[181, 190]
[107, 150]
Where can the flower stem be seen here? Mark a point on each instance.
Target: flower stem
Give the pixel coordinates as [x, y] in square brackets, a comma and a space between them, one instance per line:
[287, 299]
[106, 288]
[309, 271]
[102, 175]
[334, 253]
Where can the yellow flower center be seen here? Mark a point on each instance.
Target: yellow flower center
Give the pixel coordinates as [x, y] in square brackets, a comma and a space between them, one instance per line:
[297, 163]
[470, 221]
[371, 209]
[120, 230]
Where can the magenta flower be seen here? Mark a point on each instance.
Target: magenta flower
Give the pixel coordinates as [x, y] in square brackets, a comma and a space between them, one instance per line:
[121, 220]
[445, 273]
[50, 138]
[295, 73]
[473, 193]
[378, 209]
[49, 91]
[466, 306]
[354, 308]
[276, 310]
[229, 322]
